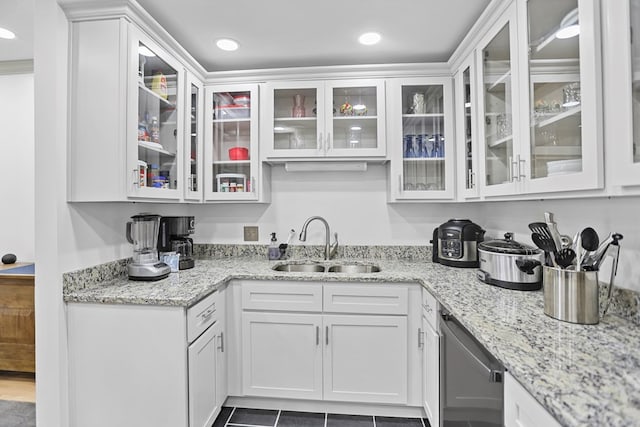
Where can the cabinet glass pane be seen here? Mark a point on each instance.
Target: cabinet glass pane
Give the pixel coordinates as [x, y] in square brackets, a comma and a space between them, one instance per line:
[497, 106]
[635, 68]
[554, 81]
[193, 165]
[468, 130]
[423, 142]
[355, 122]
[295, 122]
[157, 121]
[231, 141]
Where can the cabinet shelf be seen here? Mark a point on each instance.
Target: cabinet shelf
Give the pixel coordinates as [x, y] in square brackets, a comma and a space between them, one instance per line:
[151, 93]
[295, 119]
[243, 120]
[355, 117]
[499, 142]
[231, 162]
[154, 146]
[558, 151]
[560, 116]
[423, 159]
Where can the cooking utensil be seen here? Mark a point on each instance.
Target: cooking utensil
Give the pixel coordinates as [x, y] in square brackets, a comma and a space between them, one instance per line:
[553, 229]
[594, 259]
[545, 242]
[589, 242]
[565, 257]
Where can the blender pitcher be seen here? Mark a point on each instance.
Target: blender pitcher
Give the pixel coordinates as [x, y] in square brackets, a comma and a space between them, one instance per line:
[142, 233]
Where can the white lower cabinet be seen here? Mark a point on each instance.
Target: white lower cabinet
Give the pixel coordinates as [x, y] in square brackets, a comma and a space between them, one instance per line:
[521, 409]
[143, 365]
[365, 358]
[324, 356]
[430, 359]
[282, 355]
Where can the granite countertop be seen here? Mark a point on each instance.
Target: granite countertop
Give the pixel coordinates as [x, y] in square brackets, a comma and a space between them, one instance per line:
[584, 375]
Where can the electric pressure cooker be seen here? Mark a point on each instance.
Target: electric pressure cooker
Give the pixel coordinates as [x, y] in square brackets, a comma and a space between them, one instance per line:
[455, 243]
[509, 264]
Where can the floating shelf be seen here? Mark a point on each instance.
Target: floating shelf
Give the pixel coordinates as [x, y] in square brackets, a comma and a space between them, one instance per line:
[154, 146]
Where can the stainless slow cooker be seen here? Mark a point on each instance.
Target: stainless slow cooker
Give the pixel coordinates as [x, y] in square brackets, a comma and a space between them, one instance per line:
[509, 264]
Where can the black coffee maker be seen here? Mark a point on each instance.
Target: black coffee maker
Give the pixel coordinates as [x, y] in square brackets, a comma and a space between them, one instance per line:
[172, 237]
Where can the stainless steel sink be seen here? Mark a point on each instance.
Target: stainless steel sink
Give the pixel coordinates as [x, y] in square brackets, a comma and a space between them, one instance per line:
[353, 268]
[300, 268]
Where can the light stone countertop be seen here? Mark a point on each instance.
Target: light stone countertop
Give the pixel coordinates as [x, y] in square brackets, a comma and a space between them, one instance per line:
[584, 375]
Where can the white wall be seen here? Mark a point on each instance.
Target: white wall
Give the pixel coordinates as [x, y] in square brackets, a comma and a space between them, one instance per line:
[17, 166]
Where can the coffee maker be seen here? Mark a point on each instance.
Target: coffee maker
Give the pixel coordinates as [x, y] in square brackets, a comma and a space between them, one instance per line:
[173, 238]
[142, 233]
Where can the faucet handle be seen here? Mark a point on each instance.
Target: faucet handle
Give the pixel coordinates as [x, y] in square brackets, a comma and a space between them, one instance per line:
[334, 246]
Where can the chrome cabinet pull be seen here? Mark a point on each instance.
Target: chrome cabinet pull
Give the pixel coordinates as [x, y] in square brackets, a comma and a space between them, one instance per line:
[320, 140]
[521, 162]
[328, 144]
[221, 346]
[136, 178]
[317, 335]
[326, 335]
[400, 183]
[511, 163]
[254, 185]
[420, 342]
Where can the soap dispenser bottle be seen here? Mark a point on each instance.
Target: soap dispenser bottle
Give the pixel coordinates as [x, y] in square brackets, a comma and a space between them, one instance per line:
[274, 250]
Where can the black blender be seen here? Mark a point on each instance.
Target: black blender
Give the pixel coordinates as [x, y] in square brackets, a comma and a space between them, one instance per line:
[142, 233]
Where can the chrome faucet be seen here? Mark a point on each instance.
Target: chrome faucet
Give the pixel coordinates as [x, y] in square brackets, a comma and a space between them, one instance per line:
[329, 249]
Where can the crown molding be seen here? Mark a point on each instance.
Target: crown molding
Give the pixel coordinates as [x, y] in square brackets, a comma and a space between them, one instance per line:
[16, 67]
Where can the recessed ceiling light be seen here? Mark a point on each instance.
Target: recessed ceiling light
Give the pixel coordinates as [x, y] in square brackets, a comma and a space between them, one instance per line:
[227, 44]
[6, 34]
[369, 38]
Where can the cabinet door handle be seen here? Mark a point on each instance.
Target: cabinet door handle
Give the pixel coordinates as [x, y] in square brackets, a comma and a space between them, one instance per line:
[221, 347]
[326, 335]
[400, 183]
[327, 146]
[136, 178]
[317, 335]
[320, 142]
[254, 185]
[521, 163]
[420, 342]
[511, 163]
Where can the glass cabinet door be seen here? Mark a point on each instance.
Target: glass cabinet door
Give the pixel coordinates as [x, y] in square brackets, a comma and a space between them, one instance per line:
[158, 109]
[554, 82]
[232, 144]
[635, 80]
[466, 128]
[354, 111]
[421, 138]
[193, 134]
[297, 119]
[498, 90]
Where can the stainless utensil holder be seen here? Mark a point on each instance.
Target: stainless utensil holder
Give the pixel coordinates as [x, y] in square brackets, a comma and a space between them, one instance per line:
[571, 296]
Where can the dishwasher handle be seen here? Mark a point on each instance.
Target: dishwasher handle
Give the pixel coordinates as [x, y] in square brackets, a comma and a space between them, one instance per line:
[494, 375]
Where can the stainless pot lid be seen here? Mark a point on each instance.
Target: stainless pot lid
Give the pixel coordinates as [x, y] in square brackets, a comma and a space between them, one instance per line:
[508, 246]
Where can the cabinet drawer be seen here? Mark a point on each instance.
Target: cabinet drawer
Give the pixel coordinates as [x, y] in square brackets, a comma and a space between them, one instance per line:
[430, 308]
[201, 316]
[371, 299]
[291, 296]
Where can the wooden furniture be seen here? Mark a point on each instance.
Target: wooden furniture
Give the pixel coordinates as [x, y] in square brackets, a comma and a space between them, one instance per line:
[17, 321]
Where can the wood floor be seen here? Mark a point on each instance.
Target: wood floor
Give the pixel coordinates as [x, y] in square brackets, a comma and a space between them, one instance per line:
[17, 386]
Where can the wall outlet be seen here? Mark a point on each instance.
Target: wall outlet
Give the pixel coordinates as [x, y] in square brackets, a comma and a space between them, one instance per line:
[251, 233]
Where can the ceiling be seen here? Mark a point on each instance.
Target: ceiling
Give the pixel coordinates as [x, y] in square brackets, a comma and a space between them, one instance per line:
[17, 16]
[290, 33]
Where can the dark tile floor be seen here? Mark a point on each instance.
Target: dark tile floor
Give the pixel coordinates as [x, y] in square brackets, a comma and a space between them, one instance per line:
[245, 417]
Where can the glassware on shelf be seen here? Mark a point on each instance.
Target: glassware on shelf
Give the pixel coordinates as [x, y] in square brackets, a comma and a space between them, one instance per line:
[354, 136]
[571, 95]
[298, 106]
[418, 105]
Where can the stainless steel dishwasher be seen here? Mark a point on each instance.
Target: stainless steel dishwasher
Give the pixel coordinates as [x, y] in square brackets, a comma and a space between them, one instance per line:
[471, 390]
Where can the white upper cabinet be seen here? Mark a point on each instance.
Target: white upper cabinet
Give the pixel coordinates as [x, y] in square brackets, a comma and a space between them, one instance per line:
[563, 78]
[466, 129]
[323, 119]
[498, 107]
[126, 109]
[232, 168]
[193, 137]
[541, 99]
[621, 44]
[420, 138]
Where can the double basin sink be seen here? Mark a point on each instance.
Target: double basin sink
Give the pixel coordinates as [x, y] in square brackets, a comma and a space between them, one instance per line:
[314, 267]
